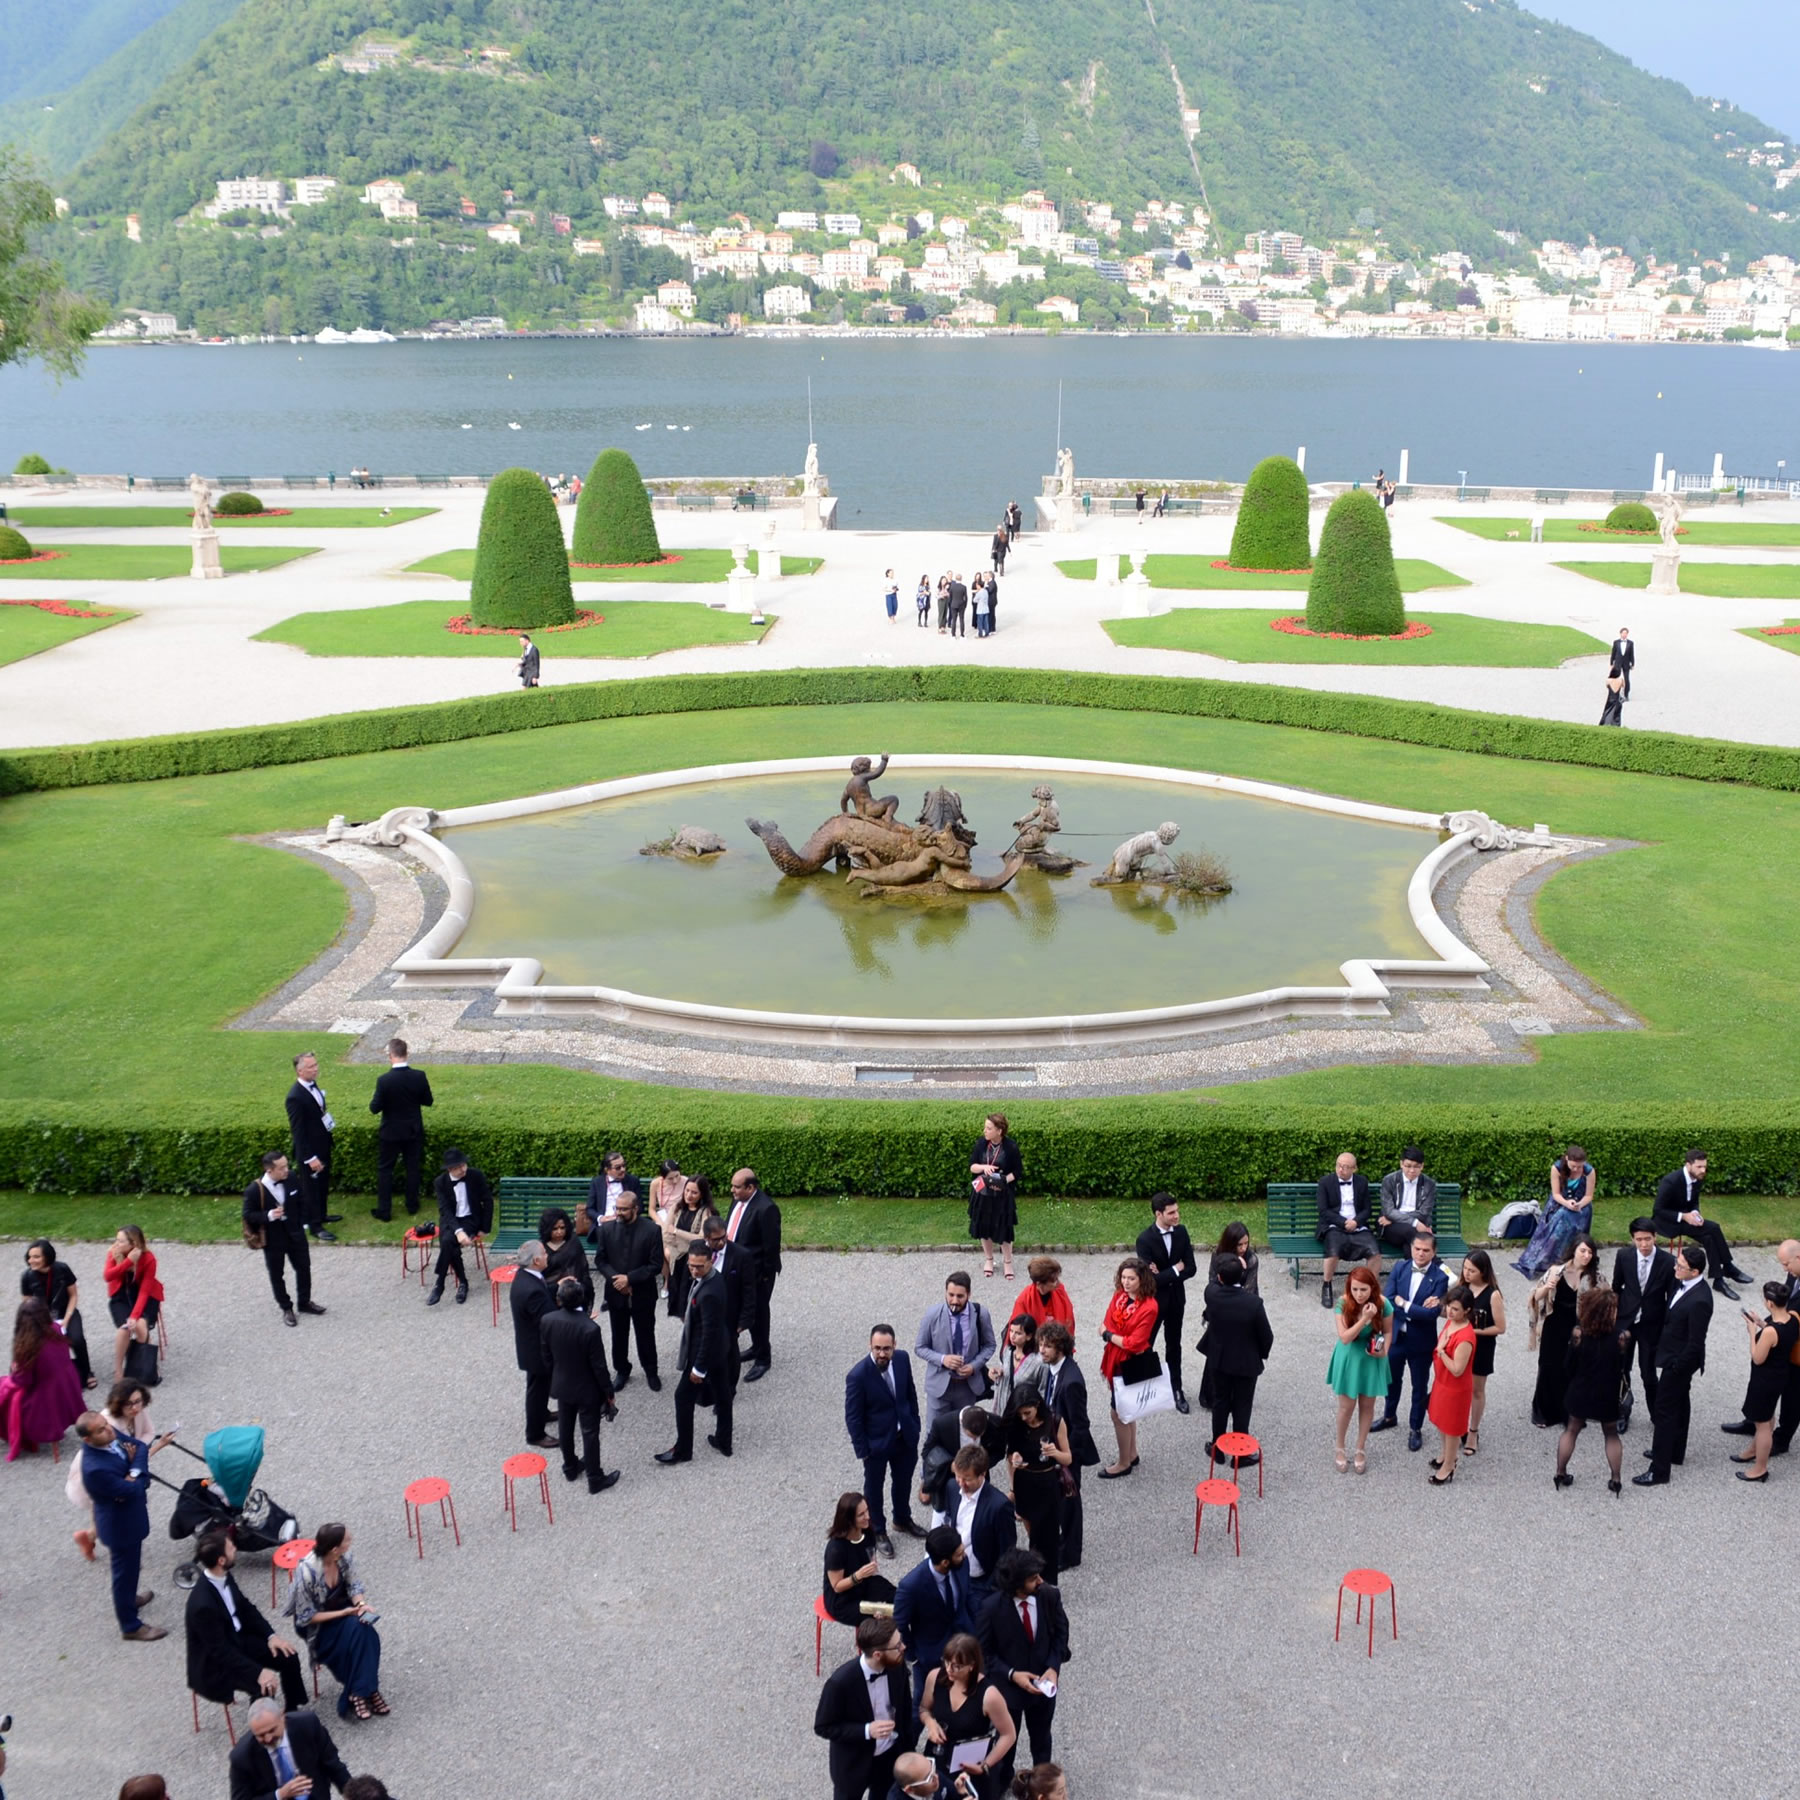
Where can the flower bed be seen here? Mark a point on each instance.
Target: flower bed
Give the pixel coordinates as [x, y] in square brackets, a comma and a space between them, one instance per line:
[268, 512]
[464, 626]
[1294, 625]
[62, 609]
[661, 562]
[1763, 630]
[14, 562]
[1601, 530]
[1225, 562]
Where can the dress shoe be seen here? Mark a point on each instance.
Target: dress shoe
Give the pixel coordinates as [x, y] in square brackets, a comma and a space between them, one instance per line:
[312, 1306]
[323, 1236]
[756, 1371]
[145, 1634]
[1385, 1424]
[1739, 1428]
[551, 1418]
[1181, 1402]
[712, 1438]
[909, 1528]
[573, 1474]
[653, 1383]
[287, 1316]
[672, 1456]
[436, 1294]
[546, 1442]
[387, 1218]
[885, 1545]
[462, 1293]
[1246, 1462]
[621, 1381]
[1415, 1440]
[1649, 1479]
[1743, 1476]
[609, 1479]
[1725, 1290]
[1734, 1273]
[334, 1219]
[146, 1597]
[1325, 1294]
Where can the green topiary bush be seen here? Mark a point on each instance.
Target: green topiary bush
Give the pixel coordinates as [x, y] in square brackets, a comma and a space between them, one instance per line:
[237, 506]
[13, 547]
[613, 521]
[1271, 530]
[521, 567]
[1633, 515]
[1354, 588]
[32, 464]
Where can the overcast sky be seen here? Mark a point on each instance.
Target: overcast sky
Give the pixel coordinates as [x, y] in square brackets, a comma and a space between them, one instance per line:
[1750, 56]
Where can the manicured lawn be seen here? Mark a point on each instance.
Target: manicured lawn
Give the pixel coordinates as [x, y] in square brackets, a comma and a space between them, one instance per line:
[301, 518]
[416, 628]
[1198, 572]
[1568, 531]
[1791, 644]
[25, 630]
[1720, 581]
[1244, 636]
[695, 566]
[142, 562]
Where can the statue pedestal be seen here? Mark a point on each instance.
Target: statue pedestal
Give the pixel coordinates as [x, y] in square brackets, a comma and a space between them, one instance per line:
[206, 557]
[740, 584]
[1665, 571]
[811, 518]
[768, 557]
[1138, 600]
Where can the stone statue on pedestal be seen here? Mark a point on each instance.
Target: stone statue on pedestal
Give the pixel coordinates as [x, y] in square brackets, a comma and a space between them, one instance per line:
[1145, 856]
[206, 564]
[1665, 559]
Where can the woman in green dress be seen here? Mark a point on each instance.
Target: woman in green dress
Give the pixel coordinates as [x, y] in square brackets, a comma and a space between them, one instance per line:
[1358, 1374]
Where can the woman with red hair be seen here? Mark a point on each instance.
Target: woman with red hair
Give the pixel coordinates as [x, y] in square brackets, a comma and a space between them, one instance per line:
[1358, 1374]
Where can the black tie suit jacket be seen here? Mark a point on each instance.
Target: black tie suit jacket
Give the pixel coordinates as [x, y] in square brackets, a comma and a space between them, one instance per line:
[481, 1203]
[844, 1714]
[530, 1300]
[759, 1235]
[1329, 1215]
[314, 1754]
[398, 1097]
[1671, 1202]
[706, 1336]
[1239, 1336]
[1624, 654]
[1682, 1351]
[1642, 1310]
[575, 1348]
[943, 1438]
[1070, 1403]
[1005, 1645]
[290, 1228]
[218, 1666]
[1173, 1263]
[306, 1126]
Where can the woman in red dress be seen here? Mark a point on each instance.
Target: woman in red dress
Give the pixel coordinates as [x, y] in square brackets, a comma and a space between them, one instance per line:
[1130, 1324]
[1453, 1381]
[133, 1294]
[41, 1398]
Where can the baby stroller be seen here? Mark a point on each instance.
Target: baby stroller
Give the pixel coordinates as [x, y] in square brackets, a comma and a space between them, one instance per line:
[225, 1497]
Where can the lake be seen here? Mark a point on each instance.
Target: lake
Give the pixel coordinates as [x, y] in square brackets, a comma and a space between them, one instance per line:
[919, 433]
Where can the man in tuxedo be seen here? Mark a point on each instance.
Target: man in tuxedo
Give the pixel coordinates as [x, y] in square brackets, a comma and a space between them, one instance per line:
[755, 1227]
[1644, 1280]
[310, 1126]
[865, 1713]
[1416, 1290]
[933, 1603]
[1780, 1440]
[955, 1341]
[579, 1384]
[1408, 1199]
[1064, 1388]
[1680, 1356]
[529, 1299]
[1624, 658]
[1238, 1341]
[606, 1189]
[705, 1364]
[398, 1100]
[1165, 1246]
[465, 1206]
[279, 1747]
[1024, 1632]
[946, 1434]
[231, 1648]
[983, 1517]
[628, 1262]
[1344, 1221]
[115, 1470]
[273, 1206]
[881, 1413]
[1677, 1214]
[731, 1266]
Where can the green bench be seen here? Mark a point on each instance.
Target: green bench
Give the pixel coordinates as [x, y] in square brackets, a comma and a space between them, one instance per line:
[235, 481]
[749, 502]
[1552, 496]
[1404, 491]
[520, 1198]
[1624, 496]
[1294, 1222]
[1183, 504]
[431, 481]
[1699, 497]
[1469, 493]
[172, 482]
[694, 502]
[300, 481]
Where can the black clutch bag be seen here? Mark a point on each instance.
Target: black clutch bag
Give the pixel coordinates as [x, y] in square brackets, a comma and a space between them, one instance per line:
[1145, 1366]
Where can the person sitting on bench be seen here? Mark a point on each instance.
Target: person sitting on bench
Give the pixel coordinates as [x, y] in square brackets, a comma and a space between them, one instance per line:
[1344, 1221]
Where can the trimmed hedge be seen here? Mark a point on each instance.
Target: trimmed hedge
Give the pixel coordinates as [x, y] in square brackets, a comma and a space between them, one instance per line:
[521, 567]
[1392, 721]
[1354, 588]
[237, 505]
[13, 547]
[1271, 529]
[613, 520]
[1631, 515]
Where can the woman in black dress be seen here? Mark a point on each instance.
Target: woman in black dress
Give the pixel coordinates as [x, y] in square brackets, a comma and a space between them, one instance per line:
[1771, 1346]
[1613, 712]
[852, 1574]
[54, 1283]
[1037, 1452]
[994, 1170]
[1597, 1356]
[1234, 1240]
[1487, 1315]
[1553, 1323]
[961, 1707]
[556, 1232]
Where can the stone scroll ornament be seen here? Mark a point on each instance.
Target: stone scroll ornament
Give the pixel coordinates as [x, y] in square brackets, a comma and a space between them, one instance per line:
[389, 831]
[1490, 834]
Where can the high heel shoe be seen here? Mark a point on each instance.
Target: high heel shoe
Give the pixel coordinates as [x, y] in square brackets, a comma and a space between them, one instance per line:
[1440, 1480]
[1343, 1463]
[1360, 1463]
[1615, 1487]
[1562, 1481]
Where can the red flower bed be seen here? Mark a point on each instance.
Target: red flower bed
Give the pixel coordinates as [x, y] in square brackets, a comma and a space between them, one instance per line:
[662, 562]
[1615, 531]
[1225, 562]
[62, 609]
[1779, 630]
[268, 512]
[14, 562]
[464, 626]
[1294, 625]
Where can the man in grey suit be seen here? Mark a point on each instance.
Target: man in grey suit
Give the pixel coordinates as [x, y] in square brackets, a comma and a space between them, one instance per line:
[1408, 1198]
[956, 1338]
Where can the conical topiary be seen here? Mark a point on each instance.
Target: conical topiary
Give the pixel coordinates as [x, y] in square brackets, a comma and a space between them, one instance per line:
[613, 521]
[1354, 588]
[521, 566]
[1271, 530]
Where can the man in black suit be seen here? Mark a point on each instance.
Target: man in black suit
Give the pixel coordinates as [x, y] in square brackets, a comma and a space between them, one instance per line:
[1024, 1634]
[628, 1262]
[959, 606]
[865, 1713]
[755, 1227]
[1239, 1339]
[983, 1516]
[310, 1126]
[465, 1206]
[944, 1436]
[1677, 1214]
[1164, 1245]
[705, 1370]
[1679, 1358]
[1064, 1388]
[1781, 1439]
[278, 1747]
[1408, 1200]
[1644, 1280]
[1344, 1221]
[530, 1300]
[273, 1207]
[1624, 658]
[731, 1266]
[399, 1096]
[231, 1648]
[881, 1413]
[933, 1603]
[579, 1384]
[612, 1182]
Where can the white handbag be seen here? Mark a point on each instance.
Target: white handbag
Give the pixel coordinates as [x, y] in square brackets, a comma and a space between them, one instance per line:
[1134, 1400]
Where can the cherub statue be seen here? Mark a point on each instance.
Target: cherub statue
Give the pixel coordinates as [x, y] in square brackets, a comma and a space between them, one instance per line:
[1138, 857]
[812, 467]
[1040, 824]
[1065, 472]
[857, 798]
[201, 495]
[1668, 517]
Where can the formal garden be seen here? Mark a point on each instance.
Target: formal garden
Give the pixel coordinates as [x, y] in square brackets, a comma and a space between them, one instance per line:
[1256, 635]
[140, 518]
[1694, 532]
[30, 626]
[1718, 581]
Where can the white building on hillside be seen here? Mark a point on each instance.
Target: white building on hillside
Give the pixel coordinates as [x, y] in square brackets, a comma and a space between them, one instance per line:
[249, 193]
[313, 190]
[786, 303]
[797, 221]
[385, 189]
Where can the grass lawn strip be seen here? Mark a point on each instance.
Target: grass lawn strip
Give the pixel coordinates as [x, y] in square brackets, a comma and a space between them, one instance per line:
[417, 628]
[695, 566]
[1718, 581]
[143, 518]
[1198, 572]
[145, 562]
[26, 630]
[1695, 531]
[1456, 640]
[1787, 640]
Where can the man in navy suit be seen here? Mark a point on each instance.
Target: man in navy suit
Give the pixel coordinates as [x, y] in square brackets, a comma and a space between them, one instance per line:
[1416, 1291]
[881, 1413]
[115, 1470]
[983, 1517]
[933, 1603]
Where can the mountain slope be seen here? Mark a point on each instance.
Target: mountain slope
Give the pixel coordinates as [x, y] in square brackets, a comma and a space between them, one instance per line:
[52, 46]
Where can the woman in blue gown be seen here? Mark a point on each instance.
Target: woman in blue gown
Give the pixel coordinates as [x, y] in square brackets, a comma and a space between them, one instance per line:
[1567, 1213]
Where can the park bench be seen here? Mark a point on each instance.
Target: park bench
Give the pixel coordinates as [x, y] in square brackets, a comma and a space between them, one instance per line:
[1404, 491]
[521, 1198]
[300, 481]
[1552, 496]
[749, 502]
[431, 481]
[1624, 496]
[1294, 1219]
[172, 482]
[694, 502]
[235, 481]
[1185, 504]
[1700, 497]
[1469, 493]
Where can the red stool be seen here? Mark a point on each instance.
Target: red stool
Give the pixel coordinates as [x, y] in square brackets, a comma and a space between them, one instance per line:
[1232, 1445]
[226, 1710]
[288, 1556]
[162, 1328]
[821, 1618]
[498, 1279]
[425, 1245]
[419, 1495]
[522, 1468]
[1370, 1585]
[481, 1261]
[1217, 1493]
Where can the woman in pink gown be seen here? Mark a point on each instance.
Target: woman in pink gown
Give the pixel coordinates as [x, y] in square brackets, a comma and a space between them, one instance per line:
[41, 1398]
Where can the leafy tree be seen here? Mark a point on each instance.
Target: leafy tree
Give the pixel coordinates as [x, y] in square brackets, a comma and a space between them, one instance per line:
[613, 520]
[823, 160]
[521, 568]
[1354, 587]
[40, 317]
[1271, 530]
